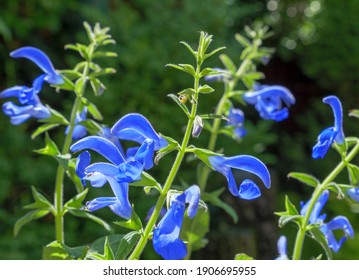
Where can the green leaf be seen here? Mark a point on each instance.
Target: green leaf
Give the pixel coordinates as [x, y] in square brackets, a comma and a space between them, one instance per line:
[76, 201]
[134, 223]
[205, 89]
[98, 87]
[354, 113]
[104, 54]
[181, 105]
[213, 116]
[41, 202]
[98, 249]
[304, 178]
[58, 251]
[213, 198]
[127, 243]
[193, 52]
[242, 40]
[194, 230]
[290, 214]
[243, 257]
[92, 109]
[285, 219]
[319, 237]
[188, 68]
[228, 63]
[213, 52]
[102, 72]
[43, 128]
[28, 217]
[83, 214]
[108, 253]
[70, 74]
[55, 118]
[50, 148]
[79, 86]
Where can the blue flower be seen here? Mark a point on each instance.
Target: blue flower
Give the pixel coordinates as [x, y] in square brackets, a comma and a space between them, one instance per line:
[268, 101]
[282, 248]
[166, 240]
[339, 222]
[79, 130]
[236, 119]
[353, 193]
[119, 172]
[247, 189]
[31, 105]
[219, 77]
[335, 133]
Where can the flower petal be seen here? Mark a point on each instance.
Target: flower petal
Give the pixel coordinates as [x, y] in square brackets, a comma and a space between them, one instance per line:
[145, 154]
[192, 198]
[336, 105]
[353, 193]
[282, 248]
[82, 161]
[249, 190]
[324, 141]
[100, 202]
[136, 127]
[41, 60]
[100, 145]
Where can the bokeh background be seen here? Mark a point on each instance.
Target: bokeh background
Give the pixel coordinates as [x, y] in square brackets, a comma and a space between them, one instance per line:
[317, 53]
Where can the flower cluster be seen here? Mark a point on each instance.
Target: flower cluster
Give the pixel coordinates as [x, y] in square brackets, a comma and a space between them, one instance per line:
[31, 105]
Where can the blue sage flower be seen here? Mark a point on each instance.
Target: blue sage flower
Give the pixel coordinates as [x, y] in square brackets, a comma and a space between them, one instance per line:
[331, 134]
[166, 241]
[269, 101]
[328, 228]
[79, 130]
[282, 248]
[236, 119]
[247, 188]
[221, 76]
[353, 193]
[31, 105]
[119, 172]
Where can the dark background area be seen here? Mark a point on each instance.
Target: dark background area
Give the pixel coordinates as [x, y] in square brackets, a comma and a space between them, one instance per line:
[317, 54]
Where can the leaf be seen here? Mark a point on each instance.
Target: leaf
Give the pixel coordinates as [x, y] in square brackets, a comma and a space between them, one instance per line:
[104, 54]
[67, 85]
[41, 202]
[87, 215]
[354, 113]
[76, 201]
[98, 248]
[205, 89]
[242, 40]
[213, 116]
[304, 178]
[102, 72]
[70, 74]
[28, 217]
[188, 68]
[50, 148]
[127, 243]
[94, 111]
[243, 257]
[213, 52]
[228, 63]
[290, 214]
[55, 118]
[213, 198]
[319, 237]
[58, 251]
[285, 219]
[194, 53]
[353, 171]
[43, 128]
[194, 230]
[181, 105]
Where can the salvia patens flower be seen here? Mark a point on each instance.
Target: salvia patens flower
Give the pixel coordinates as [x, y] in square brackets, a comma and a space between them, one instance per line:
[282, 248]
[270, 101]
[119, 172]
[353, 193]
[79, 130]
[166, 241]
[247, 188]
[328, 228]
[331, 134]
[236, 119]
[218, 77]
[31, 105]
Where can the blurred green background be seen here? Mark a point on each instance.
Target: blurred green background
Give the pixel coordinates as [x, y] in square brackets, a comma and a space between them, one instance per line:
[317, 54]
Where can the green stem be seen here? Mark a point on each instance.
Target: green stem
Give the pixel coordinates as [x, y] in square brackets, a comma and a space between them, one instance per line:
[316, 194]
[136, 253]
[59, 188]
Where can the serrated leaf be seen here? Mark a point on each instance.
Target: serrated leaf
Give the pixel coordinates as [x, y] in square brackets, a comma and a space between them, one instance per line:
[87, 215]
[127, 243]
[181, 105]
[28, 217]
[228, 63]
[304, 178]
[205, 89]
[242, 257]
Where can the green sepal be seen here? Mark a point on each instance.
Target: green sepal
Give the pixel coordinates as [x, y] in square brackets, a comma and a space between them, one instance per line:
[70, 74]
[50, 148]
[97, 86]
[242, 40]
[134, 223]
[172, 146]
[127, 243]
[58, 251]
[203, 154]
[91, 126]
[102, 72]
[181, 105]
[79, 85]
[77, 201]
[338, 189]
[28, 217]
[205, 89]
[354, 113]
[192, 51]
[209, 71]
[228, 63]
[304, 178]
[213, 116]
[92, 109]
[319, 237]
[148, 182]
[55, 118]
[84, 214]
[353, 171]
[242, 257]
[290, 214]
[213, 198]
[67, 85]
[194, 230]
[104, 54]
